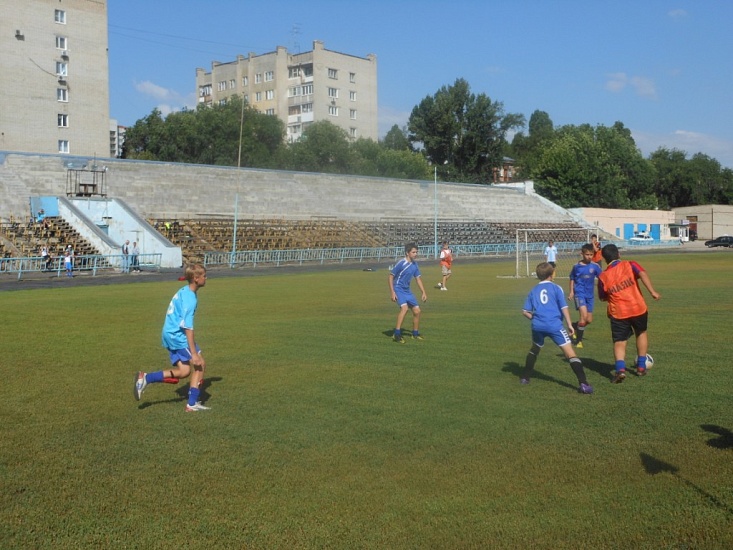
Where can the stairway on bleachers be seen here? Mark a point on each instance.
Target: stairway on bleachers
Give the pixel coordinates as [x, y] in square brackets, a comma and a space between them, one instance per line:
[198, 236]
[27, 237]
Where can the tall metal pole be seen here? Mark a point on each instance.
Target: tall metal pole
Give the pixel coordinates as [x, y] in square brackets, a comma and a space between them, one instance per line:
[241, 127]
[435, 201]
[234, 238]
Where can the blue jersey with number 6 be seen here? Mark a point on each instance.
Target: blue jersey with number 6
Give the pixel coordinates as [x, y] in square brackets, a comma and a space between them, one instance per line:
[545, 302]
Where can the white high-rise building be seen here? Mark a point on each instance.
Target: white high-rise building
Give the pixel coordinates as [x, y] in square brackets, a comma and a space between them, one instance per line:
[55, 77]
[300, 88]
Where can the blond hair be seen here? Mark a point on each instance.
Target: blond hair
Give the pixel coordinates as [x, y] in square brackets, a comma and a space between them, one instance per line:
[193, 271]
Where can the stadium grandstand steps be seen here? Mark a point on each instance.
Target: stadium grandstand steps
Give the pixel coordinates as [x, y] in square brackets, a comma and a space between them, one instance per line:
[27, 238]
[198, 236]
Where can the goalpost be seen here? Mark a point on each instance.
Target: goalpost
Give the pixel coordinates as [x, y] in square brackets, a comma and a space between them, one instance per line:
[531, 244]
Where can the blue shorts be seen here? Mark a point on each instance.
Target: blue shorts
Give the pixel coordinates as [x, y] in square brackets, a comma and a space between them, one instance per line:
[182, 355]
[581, 301]
[560, 337]
[406, 298]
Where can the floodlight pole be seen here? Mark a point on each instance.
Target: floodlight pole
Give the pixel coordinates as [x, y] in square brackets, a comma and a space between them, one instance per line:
[234, 238]
[435, 201]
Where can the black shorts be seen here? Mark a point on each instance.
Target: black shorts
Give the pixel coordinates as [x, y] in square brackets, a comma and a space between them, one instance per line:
[622, 329]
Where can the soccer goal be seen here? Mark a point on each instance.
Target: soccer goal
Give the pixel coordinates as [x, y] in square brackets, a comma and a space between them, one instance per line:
[531, 245]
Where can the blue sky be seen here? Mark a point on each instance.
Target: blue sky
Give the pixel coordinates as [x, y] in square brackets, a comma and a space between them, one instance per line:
[662, 67]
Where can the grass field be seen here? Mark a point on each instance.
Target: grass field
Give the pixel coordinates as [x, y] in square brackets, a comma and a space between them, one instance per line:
[323, 433]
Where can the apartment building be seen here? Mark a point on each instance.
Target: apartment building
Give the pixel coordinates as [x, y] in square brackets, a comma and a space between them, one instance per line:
[55, 77]
[300, 88]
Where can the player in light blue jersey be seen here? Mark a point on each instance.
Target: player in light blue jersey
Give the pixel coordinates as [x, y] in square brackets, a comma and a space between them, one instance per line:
[582, 288]
[400, 278]
[178, 339]
[546, 307]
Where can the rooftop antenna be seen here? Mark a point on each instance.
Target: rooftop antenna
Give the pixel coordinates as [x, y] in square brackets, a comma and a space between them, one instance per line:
[294, 33]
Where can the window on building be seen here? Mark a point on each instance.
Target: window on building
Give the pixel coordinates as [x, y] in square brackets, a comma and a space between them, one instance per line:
[63, 146]
[294, 110]
[352, 96]
[352, 114]
[333, 110]
[333, 73]
[352, 77]
[295, 91]
[63, 120]
[294, 129]
[306, 108]
[223, 101]
[221, 85]
[61, 43]
[246, 97]
[258, 96]
[245, 81]
[293, 72]
[352, 132]
[270, 112]
[205, 90]
[60, 16]
[307, 70]
[258, 78]
[62, 94]
[232, 84]
[269, 76]
[270, 94]
[333, 93]
[62, 68]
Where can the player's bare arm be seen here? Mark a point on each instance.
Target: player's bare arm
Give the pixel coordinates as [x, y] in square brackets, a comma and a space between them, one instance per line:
[422, 289]
[648, 284]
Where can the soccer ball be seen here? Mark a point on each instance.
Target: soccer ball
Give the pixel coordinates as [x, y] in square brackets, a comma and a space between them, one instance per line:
[649, 361]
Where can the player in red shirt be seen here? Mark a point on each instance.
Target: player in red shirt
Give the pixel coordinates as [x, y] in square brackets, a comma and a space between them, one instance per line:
[619, 286]
[597, 256]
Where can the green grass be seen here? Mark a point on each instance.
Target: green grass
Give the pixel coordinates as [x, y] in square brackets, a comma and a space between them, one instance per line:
[323, 433]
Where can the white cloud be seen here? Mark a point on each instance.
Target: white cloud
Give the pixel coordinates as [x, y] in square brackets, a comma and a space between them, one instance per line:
[169, 100]
[642, 86]
[677, 14]
[616, 82]
[689, 142]
[388, 117]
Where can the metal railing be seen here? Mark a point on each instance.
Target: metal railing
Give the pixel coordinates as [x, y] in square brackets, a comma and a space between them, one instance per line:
[253, 258]
[92, 263]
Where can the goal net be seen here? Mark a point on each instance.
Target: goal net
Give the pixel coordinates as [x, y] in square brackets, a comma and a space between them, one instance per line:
[531, 245]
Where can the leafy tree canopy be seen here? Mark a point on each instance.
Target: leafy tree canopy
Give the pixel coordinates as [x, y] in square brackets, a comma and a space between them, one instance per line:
[464, 130]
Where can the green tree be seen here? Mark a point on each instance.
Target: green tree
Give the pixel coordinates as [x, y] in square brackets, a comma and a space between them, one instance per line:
[466, 130]
[143, 139]
[374, 159]
[672, 184]
[711, 183]
[208, 135]
[396, 139]
[595, 167]
[688, 182]
[323, 147]
[525, 149]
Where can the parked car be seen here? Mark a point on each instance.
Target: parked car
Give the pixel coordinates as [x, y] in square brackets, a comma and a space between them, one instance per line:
[725, 240]
[641, 238]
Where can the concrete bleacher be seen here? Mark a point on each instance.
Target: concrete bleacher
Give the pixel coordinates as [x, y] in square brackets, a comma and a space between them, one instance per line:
[279, 209]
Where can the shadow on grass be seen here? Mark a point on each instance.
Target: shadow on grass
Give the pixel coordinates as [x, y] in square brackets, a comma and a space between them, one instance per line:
[516, 369]
[182, 392]
[724, 439]
[654, 466]
[604, 369]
